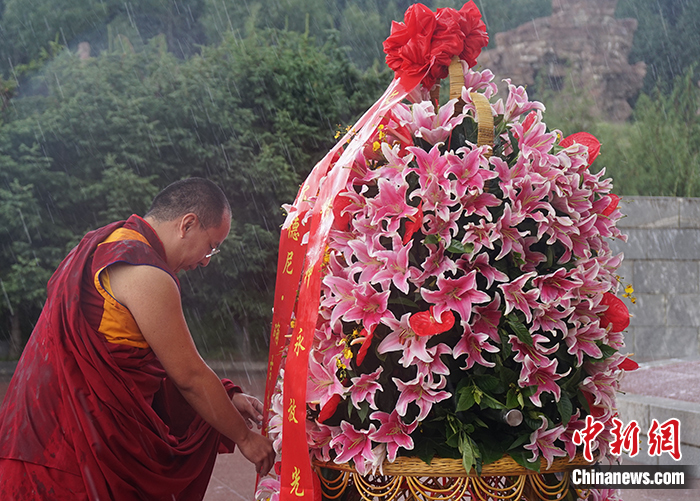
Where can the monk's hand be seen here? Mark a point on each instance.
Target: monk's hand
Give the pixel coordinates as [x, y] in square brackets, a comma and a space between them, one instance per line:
[250, 408]
[258, 450]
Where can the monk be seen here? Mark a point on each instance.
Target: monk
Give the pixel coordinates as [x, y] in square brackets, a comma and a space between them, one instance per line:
[111, 399]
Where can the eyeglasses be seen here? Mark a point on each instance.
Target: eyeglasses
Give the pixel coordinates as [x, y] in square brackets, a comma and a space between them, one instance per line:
[215, 250]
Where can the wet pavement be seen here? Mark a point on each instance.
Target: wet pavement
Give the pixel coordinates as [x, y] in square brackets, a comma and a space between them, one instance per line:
[670, 382]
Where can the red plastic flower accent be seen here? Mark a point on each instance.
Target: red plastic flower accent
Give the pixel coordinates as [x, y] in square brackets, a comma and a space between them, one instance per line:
[628, 365]
[617, 313]
[585, 139]
[425, 324]
[420, 49]
[614, 202]
[329, 408]
[414, 223]
[366, 343]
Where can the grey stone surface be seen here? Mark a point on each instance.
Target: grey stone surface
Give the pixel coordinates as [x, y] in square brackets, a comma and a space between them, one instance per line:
[634, 248]
[690, 213]
[659, 343]
[626, 272]
[630, 340]
[649, 310]
[667, 243]
[644, 408]
[662, 262]
[650, 212]
[666, 277]
[634, 407]
[684, 310]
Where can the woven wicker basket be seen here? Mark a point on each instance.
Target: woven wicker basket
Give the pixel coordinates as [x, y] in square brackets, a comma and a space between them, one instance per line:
[439, 467]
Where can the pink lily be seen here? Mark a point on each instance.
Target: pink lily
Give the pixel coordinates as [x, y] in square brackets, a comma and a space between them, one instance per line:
[536, 352]
[364, 388]
[355, 445]
[582, 340]
[470, 167]
[517, 298]
[369, 308]
[322, 383]
[551, 317]
[319, 437]
[390, 201]
[426, 124]
[402, 338]
[544, 377]
[485, 319]
[602, 388]
[455, 294]
[508, 234]
[575, 424]
[396, 269]
[555, 286]
[481, 235]
[483, 267]
[369, 263]
[518, 103]
[471, 345]
[478, 80]
[393, 432]
[436, 365]
[436, 264]
[422, 392]
[542, 442]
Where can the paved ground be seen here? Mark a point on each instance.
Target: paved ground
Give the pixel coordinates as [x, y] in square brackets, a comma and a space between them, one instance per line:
[234, 477]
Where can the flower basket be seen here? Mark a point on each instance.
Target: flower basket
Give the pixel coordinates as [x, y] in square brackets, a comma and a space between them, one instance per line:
[452, 266]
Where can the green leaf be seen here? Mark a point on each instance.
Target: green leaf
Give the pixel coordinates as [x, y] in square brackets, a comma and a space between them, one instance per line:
[487, 382]
[432, 240]
[565, 408]
[402, 300]
[607, 350]
[363, 411]
[521, 457]
[519, 329]
[522, 439]
[512, 400]
[466, 399]
[488, 402]
[470, 452]
[457, 247]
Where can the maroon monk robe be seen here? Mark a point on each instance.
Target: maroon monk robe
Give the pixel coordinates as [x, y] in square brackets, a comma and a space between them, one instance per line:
[96, 411]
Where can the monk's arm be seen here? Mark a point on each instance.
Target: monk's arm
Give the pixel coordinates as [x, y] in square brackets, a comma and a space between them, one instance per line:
[154, 300]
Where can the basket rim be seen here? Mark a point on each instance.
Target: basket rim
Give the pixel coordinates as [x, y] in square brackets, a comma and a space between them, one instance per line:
[406, 466]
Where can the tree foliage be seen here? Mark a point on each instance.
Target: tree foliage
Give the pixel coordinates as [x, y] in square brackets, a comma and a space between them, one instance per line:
[667, 38]
[658, 154]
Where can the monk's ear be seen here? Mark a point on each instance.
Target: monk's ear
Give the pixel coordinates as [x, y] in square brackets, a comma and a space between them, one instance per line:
[187, 223]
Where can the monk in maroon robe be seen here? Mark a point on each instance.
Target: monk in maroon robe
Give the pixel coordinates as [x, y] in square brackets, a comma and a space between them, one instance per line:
[110, 399]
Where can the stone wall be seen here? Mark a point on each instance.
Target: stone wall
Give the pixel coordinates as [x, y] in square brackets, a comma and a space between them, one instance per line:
[580, 45]
[662, 262]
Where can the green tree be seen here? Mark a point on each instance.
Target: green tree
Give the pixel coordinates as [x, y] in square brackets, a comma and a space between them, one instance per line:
[659, 153]
[667, 38]
[30, 26]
